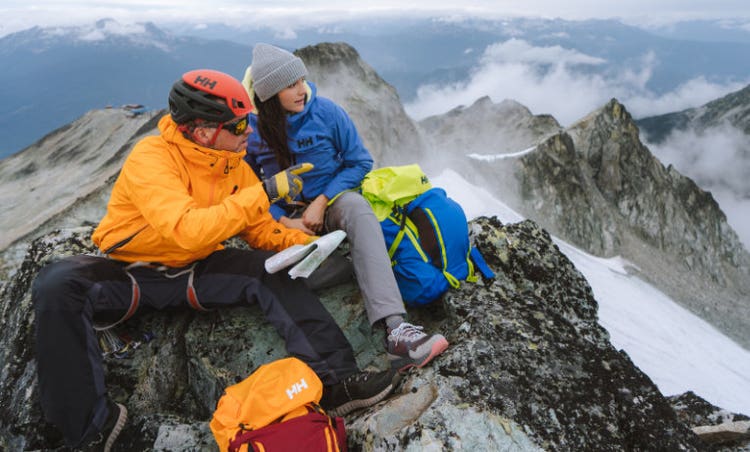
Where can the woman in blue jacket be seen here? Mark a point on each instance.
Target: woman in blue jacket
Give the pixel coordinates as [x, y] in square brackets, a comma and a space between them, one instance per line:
[292, 126]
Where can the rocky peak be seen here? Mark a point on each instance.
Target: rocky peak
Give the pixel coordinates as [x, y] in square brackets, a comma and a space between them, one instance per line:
[660, 204]
[674, 231]
[487, 128]
[372, 103]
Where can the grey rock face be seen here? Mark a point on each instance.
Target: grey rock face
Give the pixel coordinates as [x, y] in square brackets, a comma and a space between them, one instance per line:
[557, 189]
[529, 367]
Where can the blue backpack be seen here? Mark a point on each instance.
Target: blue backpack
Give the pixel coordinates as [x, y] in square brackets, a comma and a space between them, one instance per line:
[425, 231]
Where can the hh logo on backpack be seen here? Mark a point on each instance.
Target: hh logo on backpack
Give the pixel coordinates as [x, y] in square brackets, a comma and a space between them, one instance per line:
[425, 231]
[276, 409]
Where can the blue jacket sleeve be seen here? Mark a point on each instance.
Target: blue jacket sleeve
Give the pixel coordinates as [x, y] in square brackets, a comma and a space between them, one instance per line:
[357, 160]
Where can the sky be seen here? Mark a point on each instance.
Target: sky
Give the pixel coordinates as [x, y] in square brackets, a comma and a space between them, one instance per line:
[679, 351]
[18, 15]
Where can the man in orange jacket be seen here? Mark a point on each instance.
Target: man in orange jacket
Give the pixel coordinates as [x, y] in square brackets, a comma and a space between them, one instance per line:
[180, 194]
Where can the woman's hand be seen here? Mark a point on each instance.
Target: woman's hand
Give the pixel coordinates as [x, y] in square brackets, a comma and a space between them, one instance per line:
[314, 215]
[296, 223]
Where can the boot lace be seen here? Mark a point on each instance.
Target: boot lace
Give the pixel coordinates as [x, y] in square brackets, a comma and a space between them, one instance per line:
[407, 332]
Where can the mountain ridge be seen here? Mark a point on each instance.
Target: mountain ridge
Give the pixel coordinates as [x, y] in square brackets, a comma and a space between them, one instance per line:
[97, 72]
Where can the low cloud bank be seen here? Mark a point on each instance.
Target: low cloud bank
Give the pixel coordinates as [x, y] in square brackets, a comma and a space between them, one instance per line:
[562, 82]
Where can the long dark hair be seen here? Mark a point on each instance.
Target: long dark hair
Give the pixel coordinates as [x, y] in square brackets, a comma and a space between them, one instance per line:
[272, 127]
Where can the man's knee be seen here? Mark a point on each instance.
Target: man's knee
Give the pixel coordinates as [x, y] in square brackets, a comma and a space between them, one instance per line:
[70, 274]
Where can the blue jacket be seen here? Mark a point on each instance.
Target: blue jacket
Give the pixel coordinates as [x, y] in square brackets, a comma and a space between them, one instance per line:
[321, 134]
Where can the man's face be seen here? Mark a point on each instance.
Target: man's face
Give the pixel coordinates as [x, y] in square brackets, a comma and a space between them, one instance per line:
[226, 139]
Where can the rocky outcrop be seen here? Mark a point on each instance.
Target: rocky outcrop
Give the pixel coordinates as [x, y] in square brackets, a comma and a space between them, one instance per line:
[659, 204]
[529, 367]
[718, 428]
[373, 104]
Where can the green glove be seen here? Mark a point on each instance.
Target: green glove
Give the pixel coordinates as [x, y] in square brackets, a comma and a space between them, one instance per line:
[286, 184]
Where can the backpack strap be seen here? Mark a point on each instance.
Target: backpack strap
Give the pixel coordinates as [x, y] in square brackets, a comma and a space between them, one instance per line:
[332, 434]
[471, 277]
[436, 244]
[478, 259]
[399, 217]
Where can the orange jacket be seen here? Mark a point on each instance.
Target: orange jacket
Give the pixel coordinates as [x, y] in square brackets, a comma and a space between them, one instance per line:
[175, 201]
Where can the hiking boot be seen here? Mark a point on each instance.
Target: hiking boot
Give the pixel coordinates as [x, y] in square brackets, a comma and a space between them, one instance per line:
[408, 346]
[104, 440]
[359, 390]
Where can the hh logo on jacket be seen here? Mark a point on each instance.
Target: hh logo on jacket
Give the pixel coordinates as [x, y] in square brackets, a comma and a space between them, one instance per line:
[304, 142]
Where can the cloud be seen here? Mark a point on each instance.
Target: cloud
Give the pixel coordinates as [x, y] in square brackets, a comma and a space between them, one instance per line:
[519, 51]
[562, 82]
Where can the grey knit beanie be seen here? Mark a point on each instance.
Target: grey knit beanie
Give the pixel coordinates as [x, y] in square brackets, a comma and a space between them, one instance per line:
[274, 69]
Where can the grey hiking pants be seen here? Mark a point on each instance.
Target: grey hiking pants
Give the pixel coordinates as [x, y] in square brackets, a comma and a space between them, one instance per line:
[71, 294]
[351, 213]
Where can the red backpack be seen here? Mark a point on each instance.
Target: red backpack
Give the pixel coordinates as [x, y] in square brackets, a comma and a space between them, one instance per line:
[276, 409]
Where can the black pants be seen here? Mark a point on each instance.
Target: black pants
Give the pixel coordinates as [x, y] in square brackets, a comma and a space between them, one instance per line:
[72, 294]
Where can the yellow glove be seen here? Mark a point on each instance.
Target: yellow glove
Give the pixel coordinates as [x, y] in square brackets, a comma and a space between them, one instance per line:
[286, 184]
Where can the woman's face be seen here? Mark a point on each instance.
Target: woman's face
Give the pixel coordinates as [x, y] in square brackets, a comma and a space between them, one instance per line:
[292, 98]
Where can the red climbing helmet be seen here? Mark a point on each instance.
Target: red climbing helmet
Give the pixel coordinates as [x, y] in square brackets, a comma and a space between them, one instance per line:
[208, 95]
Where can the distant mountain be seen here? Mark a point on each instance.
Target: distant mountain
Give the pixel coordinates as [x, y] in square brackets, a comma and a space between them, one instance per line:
[52, 76]
[410, 52]
[732, 109]
[57, 74]
[725, 30]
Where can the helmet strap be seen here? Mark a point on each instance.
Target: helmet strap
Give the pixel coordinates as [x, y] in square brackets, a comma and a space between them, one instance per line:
[215, 136]
[189, 133]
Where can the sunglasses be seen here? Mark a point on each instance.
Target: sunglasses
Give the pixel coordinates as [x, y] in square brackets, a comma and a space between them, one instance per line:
[236, 128]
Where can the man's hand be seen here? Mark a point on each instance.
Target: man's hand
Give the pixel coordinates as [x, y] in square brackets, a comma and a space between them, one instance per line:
[296, 223]
[286, 184]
